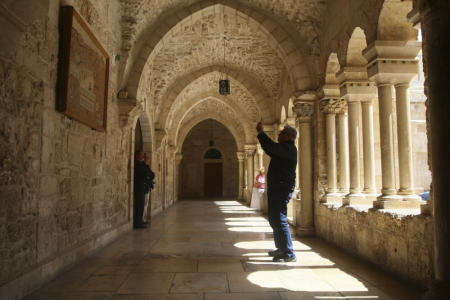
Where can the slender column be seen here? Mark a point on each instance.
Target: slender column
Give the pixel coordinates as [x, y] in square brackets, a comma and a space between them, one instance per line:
[355, 194]
[241, 157]
[305, 111]
[388, 189]
[369, 149]
[330, 107]
[344, 168]
[405, 143]
[435, 24]
[177, 175]
[249, 153]
[393, 62]
[260, 152]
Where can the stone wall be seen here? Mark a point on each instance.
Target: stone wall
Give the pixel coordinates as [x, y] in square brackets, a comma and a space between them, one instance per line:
[64, 188]
[402, 245]
[192, 164]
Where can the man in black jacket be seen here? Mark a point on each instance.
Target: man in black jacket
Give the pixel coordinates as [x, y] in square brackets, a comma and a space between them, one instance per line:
[280, 184]
[140, 180]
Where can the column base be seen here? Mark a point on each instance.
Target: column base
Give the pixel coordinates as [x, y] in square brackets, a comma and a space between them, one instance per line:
[439, 290]
[410, 197]
[371, 196]
[356, 199]
[305, 231]
[332, 198]
[395, 202]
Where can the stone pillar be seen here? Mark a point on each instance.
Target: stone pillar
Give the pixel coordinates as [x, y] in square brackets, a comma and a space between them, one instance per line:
[356, 89]
[393, 63]
[344, 168]
[331, 107]
[249, 153]
[405, 143]
[369, 150]
[260, 152]
[305, 111]
[177, 175]
[241, 158]
[435, 23]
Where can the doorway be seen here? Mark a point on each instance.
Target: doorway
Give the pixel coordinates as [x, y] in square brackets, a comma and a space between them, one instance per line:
[213, 179]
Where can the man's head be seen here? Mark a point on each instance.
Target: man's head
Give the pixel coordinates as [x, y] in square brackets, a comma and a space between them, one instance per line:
[287, 134]
[147, 158]
[139, 155]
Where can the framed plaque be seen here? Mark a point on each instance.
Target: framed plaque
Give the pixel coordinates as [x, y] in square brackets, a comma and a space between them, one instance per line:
[83, 72]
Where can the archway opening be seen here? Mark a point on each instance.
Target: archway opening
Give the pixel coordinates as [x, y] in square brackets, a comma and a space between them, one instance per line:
[209, 168]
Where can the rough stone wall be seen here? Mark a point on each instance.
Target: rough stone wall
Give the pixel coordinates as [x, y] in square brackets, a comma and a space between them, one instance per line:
[192, 164]
[62, 185]
[400, 245]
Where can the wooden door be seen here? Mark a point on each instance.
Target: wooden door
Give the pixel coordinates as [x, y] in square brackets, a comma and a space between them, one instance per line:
[213, 180]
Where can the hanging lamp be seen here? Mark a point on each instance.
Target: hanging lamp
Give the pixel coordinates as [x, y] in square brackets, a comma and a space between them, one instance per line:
[224, 84]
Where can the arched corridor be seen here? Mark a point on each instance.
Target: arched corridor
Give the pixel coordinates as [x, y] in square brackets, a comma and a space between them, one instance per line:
[210, 250]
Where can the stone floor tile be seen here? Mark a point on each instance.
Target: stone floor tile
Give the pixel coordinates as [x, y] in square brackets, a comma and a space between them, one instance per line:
[254, 282]
[244, 296]
[102, 283]
[342, 281]
[170, 264]
[159, 297]
[311, 296]
[147, 283]
[200, 283]
[220, 264]
[114, 270]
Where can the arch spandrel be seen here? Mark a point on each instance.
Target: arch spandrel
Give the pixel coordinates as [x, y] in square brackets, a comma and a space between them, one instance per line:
[391, 27]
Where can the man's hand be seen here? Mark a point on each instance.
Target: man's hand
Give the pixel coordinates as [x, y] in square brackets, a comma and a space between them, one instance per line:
[259, 127]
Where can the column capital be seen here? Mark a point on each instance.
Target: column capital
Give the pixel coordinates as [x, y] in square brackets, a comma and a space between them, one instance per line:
[178, 157]
[392, 62]
[304, 111]
[249, 149]
[333, 105]
[240, 155]
[306, 95]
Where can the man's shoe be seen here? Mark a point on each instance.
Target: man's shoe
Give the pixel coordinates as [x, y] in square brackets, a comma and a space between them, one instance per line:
[284, 258]
[275, 252]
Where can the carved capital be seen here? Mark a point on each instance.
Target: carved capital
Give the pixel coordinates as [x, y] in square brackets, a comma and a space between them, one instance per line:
[304, 110]
[240, 155]
[333, 106]
[178, 157]
[249, 150]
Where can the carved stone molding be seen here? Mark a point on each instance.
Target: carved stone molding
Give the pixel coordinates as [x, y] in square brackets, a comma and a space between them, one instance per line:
[240, 155]
[250, 150]
[333, 106]
[304, 110]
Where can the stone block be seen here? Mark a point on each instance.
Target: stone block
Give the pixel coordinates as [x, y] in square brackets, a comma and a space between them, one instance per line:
[49, 185]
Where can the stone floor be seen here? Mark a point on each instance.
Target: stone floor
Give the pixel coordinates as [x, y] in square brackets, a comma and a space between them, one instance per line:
[216, 250]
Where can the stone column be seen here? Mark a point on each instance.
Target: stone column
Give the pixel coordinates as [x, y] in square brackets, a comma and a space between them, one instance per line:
[435, 23]
[356, 88]
[393, 62]
[241, 158]
[330, 107]
[249, 153]
[260, 152]
[369, 150]
[305, 111]
[344, 168]
[177, 175]
[405, 143]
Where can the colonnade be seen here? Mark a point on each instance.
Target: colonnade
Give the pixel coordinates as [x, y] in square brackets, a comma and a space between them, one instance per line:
[391, 64]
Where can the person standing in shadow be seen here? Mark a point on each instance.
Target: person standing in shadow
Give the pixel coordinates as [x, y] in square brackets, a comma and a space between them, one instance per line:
[149, 184]
[140, 172]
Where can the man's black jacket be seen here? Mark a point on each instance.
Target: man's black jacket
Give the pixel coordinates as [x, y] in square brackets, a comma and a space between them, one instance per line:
[281, 173]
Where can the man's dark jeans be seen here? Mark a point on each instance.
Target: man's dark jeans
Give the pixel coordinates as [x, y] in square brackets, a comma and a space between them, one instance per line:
[139, 202]
[278, 200]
